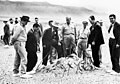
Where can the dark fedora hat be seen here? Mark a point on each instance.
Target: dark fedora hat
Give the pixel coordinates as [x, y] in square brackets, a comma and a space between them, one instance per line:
[25, 18]
[10, 19]
[5, 21]
[85, 22]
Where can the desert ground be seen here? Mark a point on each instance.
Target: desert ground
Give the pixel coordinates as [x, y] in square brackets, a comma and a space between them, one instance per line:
[87, 77]
[45, 12]
[99, 76]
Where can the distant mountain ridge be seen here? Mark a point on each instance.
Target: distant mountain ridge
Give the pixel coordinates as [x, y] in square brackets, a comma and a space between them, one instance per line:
[9, 8]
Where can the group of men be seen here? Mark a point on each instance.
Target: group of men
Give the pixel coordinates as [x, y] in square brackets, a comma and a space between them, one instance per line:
[8, 30]
[27, 44]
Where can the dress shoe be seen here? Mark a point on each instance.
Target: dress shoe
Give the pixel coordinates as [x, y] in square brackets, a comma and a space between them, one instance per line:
[17, 75]
[109, 71]
[26, 76]
[31, 72]
[114, 73]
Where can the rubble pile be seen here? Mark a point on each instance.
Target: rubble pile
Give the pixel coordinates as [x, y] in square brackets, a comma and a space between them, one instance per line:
[65, 64]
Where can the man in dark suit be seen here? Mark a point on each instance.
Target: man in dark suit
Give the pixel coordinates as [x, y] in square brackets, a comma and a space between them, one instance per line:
[50, 39]
[31, 48]
[95, 39]
[114, 44]
[6, 38]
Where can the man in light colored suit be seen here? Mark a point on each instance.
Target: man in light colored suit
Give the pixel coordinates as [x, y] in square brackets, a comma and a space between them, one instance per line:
[19, 40]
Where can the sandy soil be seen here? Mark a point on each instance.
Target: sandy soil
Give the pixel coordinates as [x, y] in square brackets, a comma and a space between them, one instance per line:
[87, 77]
[94, 77]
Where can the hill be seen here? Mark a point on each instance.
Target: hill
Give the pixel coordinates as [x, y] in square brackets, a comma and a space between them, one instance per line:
[41, 9]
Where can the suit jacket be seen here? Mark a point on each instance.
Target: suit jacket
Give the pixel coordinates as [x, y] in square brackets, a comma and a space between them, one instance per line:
[40, 27]
[7, 29]
[31, 43]
[116, 32]
[50, 37]
[96, 35]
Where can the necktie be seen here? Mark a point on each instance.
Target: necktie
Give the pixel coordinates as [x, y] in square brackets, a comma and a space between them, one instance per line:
[109, 29]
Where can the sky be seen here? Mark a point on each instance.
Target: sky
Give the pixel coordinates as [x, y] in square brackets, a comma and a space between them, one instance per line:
[111, 6]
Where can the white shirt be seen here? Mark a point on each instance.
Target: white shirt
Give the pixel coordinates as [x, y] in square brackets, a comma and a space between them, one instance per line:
[11, 27]
[111, 35]
[83, 33]
[19, 33]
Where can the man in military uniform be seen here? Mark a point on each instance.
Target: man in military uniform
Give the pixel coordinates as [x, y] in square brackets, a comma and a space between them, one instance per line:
[68, 35]
[50, 39]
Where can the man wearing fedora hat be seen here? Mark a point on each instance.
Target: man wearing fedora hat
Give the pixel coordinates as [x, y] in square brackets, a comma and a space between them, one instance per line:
[19, 39]
[50, 39]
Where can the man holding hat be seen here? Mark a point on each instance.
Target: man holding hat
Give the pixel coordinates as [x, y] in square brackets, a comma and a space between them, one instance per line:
[19, 39]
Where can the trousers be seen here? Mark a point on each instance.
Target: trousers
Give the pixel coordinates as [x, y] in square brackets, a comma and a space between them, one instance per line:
[69, 41]
[20, 57]
[81, 47]
[115, 55]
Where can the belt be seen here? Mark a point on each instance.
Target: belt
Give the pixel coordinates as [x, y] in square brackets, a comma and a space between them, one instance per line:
[69, 34]
[112, 38]
[82, 38]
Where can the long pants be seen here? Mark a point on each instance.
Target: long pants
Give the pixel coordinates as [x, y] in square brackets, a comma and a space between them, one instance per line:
[115, 55]
[69, 42]
[20, 57]
[46, 52]
[37, 35]
[6, 39]
[81, 47]
[32, 60]
[53, 55]
[95, 55]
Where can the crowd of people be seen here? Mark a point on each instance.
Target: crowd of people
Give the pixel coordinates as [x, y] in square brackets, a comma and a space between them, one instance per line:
[68, 41]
